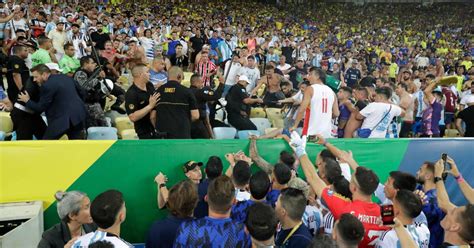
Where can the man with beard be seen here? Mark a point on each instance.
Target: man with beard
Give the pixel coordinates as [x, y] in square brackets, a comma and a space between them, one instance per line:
[99, 37]
[427, 183]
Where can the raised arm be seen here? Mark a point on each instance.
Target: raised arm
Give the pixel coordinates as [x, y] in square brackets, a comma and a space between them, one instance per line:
[162, 195]
[466, 189]
[340, 154]
[308, 94]
[442, 195]
[259, 161]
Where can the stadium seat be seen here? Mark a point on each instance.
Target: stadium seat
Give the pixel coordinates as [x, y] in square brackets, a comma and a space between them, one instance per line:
[123, 123]
[224, 132]
[275, 116]
[6, 124]
[257, 113]
[102, 133]
[3, 135]
[187, 79]
[261, 123]
[129, 134]
[244, 134]
[451, 133]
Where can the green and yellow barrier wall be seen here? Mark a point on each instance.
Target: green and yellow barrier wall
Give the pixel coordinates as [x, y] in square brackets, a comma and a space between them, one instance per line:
[36, 170]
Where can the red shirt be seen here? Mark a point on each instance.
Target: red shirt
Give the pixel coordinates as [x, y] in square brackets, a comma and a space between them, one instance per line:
[368, 213]
[451, 100]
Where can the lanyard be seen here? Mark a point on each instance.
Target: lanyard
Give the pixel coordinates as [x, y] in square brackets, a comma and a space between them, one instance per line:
[292, 232]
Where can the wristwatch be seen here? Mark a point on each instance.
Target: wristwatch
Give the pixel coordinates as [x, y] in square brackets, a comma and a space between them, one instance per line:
[162, 185]
[437, 179]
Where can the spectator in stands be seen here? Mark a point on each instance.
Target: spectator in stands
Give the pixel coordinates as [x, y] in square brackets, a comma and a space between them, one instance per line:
[312, 217]
[179, 58]
[206, 68]
[280, 177]
[241, 177]
[466, 116]
[426, 179]
[459, 221]
[261, 223]
[238, 105]
[182, 200]
[60, 99]
[353, 75]
[432, 113]
[289, 209]
[213, 170]
[406, 206]
[58, 38]
[177, 107]
[349, 231]
[259, 186]
[407, 103]
[44, 54]
[69, 63]
[140, 102]
[158, 75]
[108, 212]
[74, 212]
[218, 229]
[345, 105]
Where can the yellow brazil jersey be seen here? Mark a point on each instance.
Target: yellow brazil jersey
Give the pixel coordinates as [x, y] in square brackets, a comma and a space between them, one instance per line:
[392, 73]
[467, 64]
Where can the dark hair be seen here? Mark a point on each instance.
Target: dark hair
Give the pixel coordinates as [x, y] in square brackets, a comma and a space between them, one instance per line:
[178, 44]
[403, 180]
[326, 154]
[42, 40]
[269, 67]
[430, 76]
[385, 91]
[322, 241]
[466, 218]
[332, 170]
[350, 229]
[367, 180]
[294, 202]
[285, 83]
[41, 68]
[282, 173]
[105, 208]
[259, 185]
[213, 167]
[287, 158]
[241, 173]
[346, 89]
[318, 71]
[403, 85]
[194, 77]
[341, 186]
[261, 221]
[18, 48]
[220, 194]
[410, 203]
[67, 46]
[101, 244]
[363, 90]
[183, 198]
[86, 59]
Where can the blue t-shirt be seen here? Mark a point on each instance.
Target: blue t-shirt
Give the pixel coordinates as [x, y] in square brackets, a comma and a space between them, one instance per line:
[209, 232]
[163, 232]
[239, 210]
[172, 47]
[214, 42]
[158, 77]
[272, 197]
[202, 208]
[300, 238]
[434, 215]
[343, 116]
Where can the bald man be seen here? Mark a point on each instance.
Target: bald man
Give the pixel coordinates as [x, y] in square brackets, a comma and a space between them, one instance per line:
[177, 107]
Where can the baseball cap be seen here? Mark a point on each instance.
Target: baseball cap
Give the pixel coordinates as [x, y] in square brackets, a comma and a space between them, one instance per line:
[300, 59]
[244, 78]
[53, 66]
[190, 165]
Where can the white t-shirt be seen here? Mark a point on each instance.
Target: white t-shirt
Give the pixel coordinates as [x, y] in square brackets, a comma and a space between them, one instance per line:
[253, 74]
[85, 240]
[235, 70]
[283, 67]
[313, 219]
[466, 99]
[373, 113]
[419, 233]
[320, 113]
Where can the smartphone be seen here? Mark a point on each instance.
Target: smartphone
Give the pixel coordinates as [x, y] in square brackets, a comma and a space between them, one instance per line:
[447, 166]
[387, 215]
[312, 138]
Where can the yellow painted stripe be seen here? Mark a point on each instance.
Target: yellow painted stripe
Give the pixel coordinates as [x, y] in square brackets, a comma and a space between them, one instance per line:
[31, 170]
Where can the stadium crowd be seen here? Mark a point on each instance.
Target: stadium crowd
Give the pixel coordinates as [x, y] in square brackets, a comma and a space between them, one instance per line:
[276, 207]
[376, 71]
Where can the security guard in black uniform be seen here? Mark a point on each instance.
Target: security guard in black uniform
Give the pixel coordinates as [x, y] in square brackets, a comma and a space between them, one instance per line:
[177, 107]
[26, 123]
[140, 102]
[239, 104]
[201, 129]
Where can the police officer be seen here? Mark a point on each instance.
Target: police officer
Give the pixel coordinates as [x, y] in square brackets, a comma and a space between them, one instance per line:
[177, 107]
[239, 104]
[201, 129]
[140, 102]
[91, 84]
[26, 123]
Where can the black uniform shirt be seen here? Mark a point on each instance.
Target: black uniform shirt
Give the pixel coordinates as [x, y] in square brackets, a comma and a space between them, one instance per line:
[136, 99]
[16, 65]
[205, 95]
[235, 100]
[173, 114]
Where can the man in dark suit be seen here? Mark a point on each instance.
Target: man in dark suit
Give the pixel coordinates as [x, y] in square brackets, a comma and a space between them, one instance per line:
[60, 98]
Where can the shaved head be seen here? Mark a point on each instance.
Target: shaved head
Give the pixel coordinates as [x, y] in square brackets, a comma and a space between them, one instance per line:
[175, 73]
[138, 69]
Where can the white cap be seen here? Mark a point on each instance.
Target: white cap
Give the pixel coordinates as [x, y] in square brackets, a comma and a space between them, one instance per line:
[135, 39]
[244, 78]
[53, 66]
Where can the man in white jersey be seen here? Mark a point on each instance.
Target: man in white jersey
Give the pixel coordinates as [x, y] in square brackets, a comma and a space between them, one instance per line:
[108, 212]
[377, 116]
[406, 206]
[319, 106]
